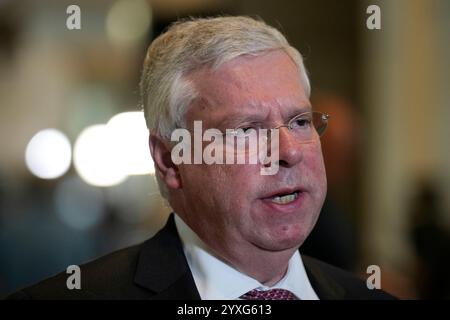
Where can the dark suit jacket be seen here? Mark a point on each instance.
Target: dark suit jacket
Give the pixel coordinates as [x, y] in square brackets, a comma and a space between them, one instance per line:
[157, 269]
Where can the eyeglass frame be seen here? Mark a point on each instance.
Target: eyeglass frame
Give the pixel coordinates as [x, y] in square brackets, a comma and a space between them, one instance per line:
[324, 117]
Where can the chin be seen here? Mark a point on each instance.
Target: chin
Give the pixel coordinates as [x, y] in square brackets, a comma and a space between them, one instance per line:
[282, 246]
[297, 234]
[286, 240]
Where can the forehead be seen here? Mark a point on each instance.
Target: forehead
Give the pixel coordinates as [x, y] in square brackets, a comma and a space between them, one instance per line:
[265, 83]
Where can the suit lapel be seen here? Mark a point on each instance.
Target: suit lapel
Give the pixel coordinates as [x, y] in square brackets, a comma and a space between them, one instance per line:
[325, 287]
[162, 266]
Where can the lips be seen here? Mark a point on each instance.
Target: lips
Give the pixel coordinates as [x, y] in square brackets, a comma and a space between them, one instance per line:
[283, 196]
[285, 199]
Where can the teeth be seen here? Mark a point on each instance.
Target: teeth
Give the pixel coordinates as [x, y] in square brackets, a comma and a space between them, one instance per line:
[285, 199]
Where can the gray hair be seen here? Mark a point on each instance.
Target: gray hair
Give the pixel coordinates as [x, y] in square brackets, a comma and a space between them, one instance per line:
[190, 44]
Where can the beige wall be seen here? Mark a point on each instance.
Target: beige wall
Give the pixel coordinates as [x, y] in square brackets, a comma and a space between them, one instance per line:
[408, 110]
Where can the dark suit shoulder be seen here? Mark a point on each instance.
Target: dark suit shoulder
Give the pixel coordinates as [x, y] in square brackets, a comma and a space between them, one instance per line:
[334, 283]
[156, 269]
[108, 277]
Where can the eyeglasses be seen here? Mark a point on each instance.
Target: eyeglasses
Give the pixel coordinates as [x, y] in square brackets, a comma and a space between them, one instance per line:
[303, 126]
[253, 137]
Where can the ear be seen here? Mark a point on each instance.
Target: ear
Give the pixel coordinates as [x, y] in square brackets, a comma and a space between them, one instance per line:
[166, 170]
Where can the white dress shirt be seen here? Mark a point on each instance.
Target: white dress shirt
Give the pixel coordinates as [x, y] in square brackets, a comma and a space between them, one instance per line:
[217, 280]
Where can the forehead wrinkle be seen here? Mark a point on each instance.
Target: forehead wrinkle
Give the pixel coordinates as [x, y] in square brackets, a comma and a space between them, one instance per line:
[262, 103]
[289, 106]
[234, 118]
[265, 112]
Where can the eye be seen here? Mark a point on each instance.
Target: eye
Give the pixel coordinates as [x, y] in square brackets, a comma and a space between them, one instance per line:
[301, 122]
[245, 131]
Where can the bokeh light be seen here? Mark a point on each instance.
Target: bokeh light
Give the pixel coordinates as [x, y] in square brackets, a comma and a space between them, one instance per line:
[95, 157]
[130, 135]
[48, 154]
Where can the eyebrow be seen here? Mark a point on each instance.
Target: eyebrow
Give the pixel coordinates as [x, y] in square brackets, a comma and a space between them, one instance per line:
[298, 110]
[232, 120]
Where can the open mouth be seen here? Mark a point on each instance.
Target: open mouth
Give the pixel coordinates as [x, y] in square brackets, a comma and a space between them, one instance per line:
[285, 198]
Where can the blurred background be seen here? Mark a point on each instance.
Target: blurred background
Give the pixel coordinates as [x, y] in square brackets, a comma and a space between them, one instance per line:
[76, 178]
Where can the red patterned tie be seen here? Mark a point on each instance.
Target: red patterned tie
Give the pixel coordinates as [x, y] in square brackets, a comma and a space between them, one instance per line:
[272, 294]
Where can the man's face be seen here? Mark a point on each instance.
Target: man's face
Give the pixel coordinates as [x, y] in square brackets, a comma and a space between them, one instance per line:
[232, 206]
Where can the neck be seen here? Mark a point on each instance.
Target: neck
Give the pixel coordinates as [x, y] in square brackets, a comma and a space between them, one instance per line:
[268, 267]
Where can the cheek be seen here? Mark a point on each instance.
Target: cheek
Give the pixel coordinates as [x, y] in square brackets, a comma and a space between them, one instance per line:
[237, 185]
[315, 167]
[221, 192]
[229, 184]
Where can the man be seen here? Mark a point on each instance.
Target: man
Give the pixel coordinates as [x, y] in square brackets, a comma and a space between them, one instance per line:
[236, 229]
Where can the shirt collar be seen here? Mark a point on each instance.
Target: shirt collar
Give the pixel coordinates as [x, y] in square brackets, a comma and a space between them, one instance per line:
[217, 280]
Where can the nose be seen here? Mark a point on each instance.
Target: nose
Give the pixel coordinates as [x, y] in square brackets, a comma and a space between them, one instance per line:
[289, 148]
